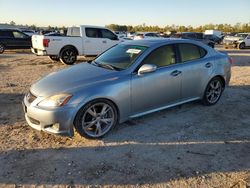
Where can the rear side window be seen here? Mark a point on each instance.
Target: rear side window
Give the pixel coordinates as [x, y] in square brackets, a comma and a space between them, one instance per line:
[74, 32]
[190, 52]
[92, 33]
[19, 35]
[161, 57]
[6, 34]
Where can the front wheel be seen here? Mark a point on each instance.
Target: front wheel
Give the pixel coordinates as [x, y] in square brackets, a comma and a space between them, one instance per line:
[213, 92]
[242, 45]
[68, 56]
[96, 119]
[2, 48]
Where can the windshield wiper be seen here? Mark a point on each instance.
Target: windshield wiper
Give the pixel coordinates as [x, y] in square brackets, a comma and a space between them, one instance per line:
[111, 67]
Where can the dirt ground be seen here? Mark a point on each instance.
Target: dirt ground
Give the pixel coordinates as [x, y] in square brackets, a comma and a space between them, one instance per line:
[187, 146]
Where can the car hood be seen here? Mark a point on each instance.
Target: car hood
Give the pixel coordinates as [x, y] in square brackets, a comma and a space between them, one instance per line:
[80, 75]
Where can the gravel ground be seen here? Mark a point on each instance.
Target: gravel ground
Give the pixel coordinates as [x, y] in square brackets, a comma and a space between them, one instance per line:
[187, 146]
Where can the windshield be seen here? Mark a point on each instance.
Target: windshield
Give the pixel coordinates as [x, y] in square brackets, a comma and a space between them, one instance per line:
[120, 57]
[241, 35]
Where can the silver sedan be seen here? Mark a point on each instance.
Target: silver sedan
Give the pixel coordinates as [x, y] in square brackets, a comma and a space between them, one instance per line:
[131, 79]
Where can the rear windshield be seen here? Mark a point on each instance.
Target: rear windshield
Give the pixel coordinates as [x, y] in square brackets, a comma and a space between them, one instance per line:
[73, 31]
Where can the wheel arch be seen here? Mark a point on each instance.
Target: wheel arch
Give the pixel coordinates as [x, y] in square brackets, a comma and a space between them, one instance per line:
[68, 47]
[221, 78]
[92, 100]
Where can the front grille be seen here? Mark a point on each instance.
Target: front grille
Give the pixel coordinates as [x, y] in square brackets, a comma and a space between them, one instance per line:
[30, 97]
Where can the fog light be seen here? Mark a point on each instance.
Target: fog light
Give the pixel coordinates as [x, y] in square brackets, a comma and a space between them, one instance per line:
[56, 126]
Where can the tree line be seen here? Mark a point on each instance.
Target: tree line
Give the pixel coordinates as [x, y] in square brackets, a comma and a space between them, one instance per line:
[239, 27]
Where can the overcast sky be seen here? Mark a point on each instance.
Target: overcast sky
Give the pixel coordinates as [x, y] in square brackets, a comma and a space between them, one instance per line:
[129, 12]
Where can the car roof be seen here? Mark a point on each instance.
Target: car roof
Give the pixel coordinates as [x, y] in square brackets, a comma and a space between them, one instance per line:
[9, 29]
[159, 42]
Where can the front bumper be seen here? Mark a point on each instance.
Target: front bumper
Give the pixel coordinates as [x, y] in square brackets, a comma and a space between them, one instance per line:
[55, 121]
[39, 52]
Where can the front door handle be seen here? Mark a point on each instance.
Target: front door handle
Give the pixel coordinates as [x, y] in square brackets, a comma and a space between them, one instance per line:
[104, 41]
[208, 65]
[175, 73]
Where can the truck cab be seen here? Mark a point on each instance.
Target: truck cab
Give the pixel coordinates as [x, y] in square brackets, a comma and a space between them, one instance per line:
[79, 41]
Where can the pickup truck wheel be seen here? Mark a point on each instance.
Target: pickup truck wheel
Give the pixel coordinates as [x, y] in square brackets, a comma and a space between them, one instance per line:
[2, 48]
[68, 56]
[54, 58]
[242, 45]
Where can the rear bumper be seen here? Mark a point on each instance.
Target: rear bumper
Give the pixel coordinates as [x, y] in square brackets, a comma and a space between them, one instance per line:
[39, 52]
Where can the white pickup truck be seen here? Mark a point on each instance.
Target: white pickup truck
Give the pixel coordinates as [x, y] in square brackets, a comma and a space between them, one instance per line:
[83, 40]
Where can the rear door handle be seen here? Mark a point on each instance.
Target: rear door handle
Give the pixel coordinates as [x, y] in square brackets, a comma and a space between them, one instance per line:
[104, 41]
[208, 65]
[175, 73]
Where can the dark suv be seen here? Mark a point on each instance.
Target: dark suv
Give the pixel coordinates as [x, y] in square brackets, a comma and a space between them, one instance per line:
[194, 36]
[13, 39]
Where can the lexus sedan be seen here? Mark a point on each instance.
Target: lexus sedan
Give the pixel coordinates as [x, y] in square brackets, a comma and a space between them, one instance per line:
[131, 79]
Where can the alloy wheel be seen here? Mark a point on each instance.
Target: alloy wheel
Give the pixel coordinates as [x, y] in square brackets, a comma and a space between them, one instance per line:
[98, 119]
[213, 92]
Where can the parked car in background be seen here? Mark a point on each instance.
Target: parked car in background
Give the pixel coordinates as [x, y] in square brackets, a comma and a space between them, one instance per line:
[82, 40]
[131, 35]
[129, 80]
[194, 36]
[28, 32]
[213, 38]
[13, 39]
[214, 32]
[239, 40]
[146, 35]
[121, 34]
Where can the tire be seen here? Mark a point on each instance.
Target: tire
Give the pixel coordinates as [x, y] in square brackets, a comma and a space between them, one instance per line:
[213, 92]
[2, 48]
[68, 56]
[242, 45]
[96, 119]
[54, 58]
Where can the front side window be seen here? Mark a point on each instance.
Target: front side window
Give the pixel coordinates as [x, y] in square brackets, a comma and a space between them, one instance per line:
[161, 57]
[120, 56]
[92, 32]
[17, 34]
[108, 34]
[190, 52]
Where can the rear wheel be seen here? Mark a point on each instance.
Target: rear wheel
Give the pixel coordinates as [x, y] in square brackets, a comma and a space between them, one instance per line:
[96, 119]
[213, 92]
[54, 58]
[242, 45]
[68, 56]
[2, 48]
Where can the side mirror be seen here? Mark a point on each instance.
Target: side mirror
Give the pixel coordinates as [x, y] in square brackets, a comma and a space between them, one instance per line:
[147, 68]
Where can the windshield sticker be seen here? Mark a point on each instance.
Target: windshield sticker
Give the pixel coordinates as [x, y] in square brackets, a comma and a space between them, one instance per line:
[133, 51]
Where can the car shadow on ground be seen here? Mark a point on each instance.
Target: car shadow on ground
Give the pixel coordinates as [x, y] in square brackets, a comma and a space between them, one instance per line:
[126, 164]
[11, 107]
[182, 142]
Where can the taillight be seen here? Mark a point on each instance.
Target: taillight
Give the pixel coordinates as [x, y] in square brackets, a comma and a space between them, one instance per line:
[46, 42]
[230, 60]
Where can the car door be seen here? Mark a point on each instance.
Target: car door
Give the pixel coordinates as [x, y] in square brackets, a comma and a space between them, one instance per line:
[247, 41]
[160, 88]
[8, 38]
[196, 68]
[21, 40]
[93, 42]
[109, 39]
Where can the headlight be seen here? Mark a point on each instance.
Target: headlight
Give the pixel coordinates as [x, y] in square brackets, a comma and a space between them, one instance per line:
[55, 100]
